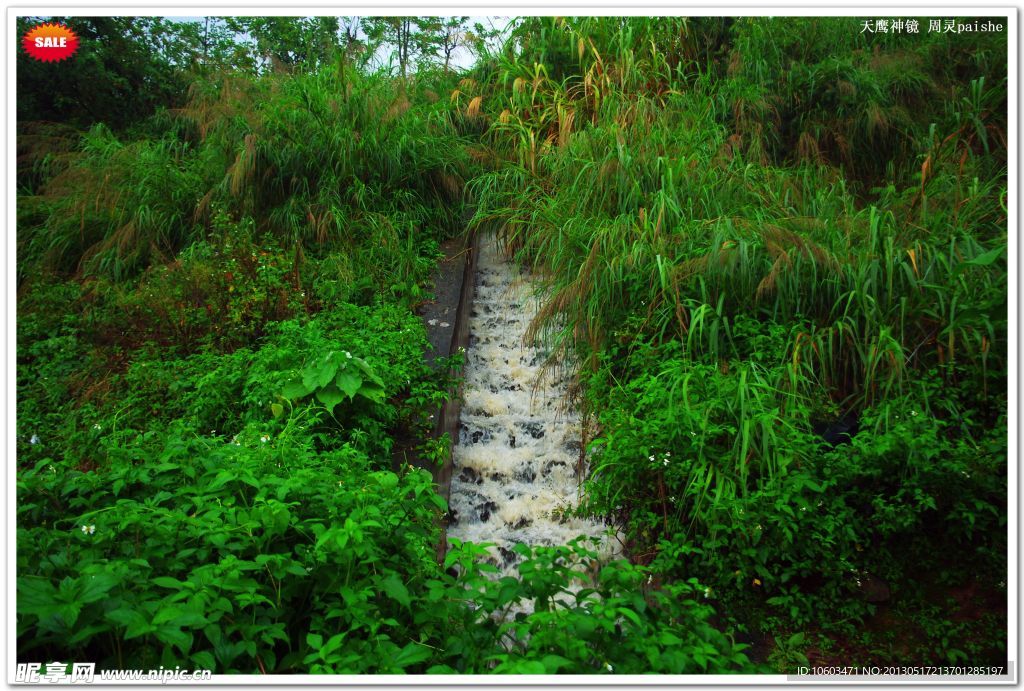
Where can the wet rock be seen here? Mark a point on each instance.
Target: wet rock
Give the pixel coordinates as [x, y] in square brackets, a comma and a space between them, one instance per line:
[526, 474]
[550, 466]
[470, 476]
[485, 509]
[534, 429]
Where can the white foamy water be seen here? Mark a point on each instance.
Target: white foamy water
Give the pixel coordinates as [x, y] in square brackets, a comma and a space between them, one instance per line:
[518, 453]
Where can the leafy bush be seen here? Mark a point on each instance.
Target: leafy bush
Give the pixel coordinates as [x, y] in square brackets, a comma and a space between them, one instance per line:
[222, 553]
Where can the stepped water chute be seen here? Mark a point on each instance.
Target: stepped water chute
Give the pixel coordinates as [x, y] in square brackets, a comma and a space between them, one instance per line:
[517, 463]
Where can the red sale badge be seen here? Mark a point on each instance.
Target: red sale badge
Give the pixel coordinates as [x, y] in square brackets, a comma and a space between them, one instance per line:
[50, 42]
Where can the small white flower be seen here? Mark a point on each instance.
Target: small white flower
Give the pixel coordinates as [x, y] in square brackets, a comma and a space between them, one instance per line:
[803, 508]
[665, 462]
[97, 426]
[444, 325]
[89, 529]
[914, 413]
[707, 593]
[348, 355]
[34, 439]
[693, 434]
[608, 666]
[213, 431]
[650, 577]
[668, 455]
[432, 322]
[650, 458]
[264, 439]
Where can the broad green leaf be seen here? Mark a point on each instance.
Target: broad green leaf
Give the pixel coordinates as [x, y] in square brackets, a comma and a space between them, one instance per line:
[349, 382]
[372, 391]
[396, 590]
[171, 634]
[135, 622]
[631, 615]
[529, 667]
[412, 654]
[386, 478]
[332, 644]
[552, 663]
[203, 660]
[35, 595]
[441, 669]
[167, 582]
[94, 587]
[84, 634]
[368, 371]
[320, 374]
[296, 389]
[330, 396]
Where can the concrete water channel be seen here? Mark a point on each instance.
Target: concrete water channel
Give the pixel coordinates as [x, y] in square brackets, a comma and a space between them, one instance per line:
[515, 469]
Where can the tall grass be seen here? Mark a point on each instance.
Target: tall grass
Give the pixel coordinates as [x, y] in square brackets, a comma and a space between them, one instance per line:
[667, 189]
[332, 161]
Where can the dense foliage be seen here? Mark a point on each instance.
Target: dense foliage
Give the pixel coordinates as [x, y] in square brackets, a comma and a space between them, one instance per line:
[779, 249]
[774, 248]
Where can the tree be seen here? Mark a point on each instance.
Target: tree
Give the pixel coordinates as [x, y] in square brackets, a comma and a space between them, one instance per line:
[481, 40]
[291, 42]
[449, 33]
[115, 77]
[409, 36]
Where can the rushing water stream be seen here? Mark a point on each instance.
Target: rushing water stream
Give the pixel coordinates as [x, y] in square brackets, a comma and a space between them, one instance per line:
[516, 461]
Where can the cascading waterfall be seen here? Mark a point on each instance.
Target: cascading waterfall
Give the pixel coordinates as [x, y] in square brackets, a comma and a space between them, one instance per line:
[516, 461]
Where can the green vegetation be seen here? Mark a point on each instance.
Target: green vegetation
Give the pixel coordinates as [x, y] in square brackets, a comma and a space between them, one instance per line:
[775, 249]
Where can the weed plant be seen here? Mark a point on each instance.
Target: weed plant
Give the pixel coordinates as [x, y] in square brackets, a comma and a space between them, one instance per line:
[776, 249]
